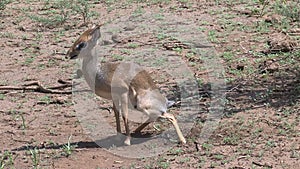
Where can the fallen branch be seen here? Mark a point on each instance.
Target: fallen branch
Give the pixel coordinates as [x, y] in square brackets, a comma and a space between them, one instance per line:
[36, 86]
[262, 165]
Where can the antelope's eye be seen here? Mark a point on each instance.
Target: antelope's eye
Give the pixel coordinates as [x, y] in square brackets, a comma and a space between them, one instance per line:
[80, 46]
[147, 108]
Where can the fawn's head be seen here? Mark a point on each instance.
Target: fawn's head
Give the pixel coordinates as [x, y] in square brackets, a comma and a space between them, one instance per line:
[86, 42]
[153, 103]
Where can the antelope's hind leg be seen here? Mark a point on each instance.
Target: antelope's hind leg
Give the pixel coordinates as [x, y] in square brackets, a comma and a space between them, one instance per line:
[142, 126]
[172, 119]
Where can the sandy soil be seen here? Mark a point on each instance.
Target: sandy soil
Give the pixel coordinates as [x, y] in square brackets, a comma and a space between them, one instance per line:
[253, 80]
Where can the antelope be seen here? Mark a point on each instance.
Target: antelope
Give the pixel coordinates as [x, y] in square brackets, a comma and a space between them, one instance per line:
[125, 83]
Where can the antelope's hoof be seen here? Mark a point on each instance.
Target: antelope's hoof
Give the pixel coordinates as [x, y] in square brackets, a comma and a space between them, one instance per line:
[127, 142]
[183, 141]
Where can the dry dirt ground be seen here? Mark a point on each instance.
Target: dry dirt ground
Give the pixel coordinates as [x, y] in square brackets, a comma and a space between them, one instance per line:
[257, 43]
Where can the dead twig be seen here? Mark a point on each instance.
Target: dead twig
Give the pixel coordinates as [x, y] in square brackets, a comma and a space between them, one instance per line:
[242, 46]
[197, 146]
[105, 108]
[262, 165]
[205, 72]
[63, 81]
[36, 86]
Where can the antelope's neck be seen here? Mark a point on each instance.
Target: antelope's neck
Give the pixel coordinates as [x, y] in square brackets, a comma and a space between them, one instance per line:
[91, 70]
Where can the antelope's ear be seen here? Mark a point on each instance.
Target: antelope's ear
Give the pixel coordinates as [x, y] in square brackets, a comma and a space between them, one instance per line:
[95, 33]
[170, 103]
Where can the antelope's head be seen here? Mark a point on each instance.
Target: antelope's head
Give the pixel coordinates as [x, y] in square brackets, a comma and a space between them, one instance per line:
[85, 43]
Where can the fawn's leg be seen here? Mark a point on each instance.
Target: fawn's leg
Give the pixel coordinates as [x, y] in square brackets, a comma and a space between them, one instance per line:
[172, 119]
[124, 111]
[117, 116]
[142, 126]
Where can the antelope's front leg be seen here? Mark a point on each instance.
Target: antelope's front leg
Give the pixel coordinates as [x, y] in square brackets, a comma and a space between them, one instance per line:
[124, 111]
[116, 108]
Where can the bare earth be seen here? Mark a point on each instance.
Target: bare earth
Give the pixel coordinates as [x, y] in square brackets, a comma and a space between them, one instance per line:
[259, 127]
